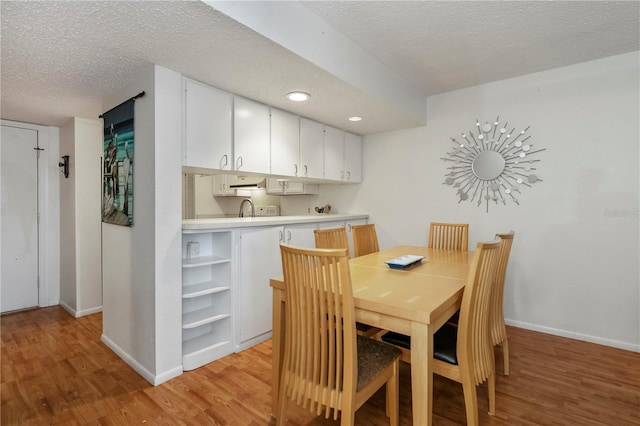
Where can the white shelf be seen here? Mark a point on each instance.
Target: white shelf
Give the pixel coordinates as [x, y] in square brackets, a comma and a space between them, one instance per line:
[201, 317]
[201, 289]
[204, 349]
[207, 328]
[203, 261]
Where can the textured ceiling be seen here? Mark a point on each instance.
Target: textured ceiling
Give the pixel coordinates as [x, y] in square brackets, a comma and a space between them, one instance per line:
[61, 59]
[448, 45]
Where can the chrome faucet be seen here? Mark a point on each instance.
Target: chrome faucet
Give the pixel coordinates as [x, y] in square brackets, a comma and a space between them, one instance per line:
[253, 210]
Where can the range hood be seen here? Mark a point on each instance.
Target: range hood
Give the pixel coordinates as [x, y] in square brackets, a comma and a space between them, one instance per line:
[247, 182]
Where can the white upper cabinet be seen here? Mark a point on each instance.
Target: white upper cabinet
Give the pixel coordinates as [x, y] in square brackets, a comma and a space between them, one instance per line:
[311, 163]
[333, 153]
[282, 187]
[352, 158]
[285, 142]
[207, 126]
[342, 155]
[251, 136]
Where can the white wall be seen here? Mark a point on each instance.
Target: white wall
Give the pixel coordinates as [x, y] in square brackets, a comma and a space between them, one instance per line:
[80, 263]
[142, 263]
[68, 293]
[574, 264]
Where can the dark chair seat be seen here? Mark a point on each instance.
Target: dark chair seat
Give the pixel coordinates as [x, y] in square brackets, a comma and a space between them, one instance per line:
[445, 343]
[373, 358]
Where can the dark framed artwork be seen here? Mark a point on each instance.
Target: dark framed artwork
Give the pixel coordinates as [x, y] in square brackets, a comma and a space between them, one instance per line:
[117, 180]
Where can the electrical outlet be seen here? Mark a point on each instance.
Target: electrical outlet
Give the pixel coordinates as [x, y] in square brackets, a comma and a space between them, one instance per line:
[193, 249]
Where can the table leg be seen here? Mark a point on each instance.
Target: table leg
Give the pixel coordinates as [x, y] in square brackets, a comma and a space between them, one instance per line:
[277, 347]
[421, 373]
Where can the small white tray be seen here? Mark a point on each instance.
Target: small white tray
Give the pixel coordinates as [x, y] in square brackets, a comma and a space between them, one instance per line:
[404, 261]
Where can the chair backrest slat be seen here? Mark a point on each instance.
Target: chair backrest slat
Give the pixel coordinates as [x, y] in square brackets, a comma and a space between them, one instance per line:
[496, 320]
[449, 236]
[334, 238]
[474, 340]
[365, 239]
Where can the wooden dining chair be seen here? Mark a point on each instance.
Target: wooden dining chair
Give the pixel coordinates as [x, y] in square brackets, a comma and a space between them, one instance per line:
[464, 353]
[496, 316]
[332, 238]
[365, 239]
[326, 365]
[449, 236]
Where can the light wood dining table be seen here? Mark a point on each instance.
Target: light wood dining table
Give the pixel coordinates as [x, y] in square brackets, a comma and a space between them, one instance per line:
[415, 301]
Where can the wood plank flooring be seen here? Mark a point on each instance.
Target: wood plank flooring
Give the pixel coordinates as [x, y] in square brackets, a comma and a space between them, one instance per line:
[55, 371]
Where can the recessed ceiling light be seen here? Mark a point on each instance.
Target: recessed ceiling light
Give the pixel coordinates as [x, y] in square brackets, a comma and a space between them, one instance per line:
[355, 118]
[298, 96]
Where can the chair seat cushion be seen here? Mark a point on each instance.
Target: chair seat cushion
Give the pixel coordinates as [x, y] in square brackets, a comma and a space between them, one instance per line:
[445, 343]
[373, 357]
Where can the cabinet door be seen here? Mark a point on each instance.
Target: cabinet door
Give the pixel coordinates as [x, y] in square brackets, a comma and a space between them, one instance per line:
[352, 158]
[285, 137]
[333, 153]
[259, 261]
[251, 136]
[221, 185]
[275, 186]
[311, 149]
[207, 124]
[300, 235]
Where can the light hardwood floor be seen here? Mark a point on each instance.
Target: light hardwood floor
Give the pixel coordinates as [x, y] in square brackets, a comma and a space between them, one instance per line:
[55, 370]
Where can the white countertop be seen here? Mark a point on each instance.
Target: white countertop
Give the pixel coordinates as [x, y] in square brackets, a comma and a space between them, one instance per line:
[243, 222]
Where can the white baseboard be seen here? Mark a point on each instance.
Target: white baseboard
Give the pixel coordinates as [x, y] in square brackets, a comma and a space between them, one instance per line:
[89, 311]
[252, 342]
[573, 335]
[81, 313]
[146, 374]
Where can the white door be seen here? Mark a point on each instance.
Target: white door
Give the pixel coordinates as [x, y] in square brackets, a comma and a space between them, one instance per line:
[19, 168]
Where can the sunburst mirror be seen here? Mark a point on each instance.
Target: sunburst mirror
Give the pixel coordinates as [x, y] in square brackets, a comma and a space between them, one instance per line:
[492, 164]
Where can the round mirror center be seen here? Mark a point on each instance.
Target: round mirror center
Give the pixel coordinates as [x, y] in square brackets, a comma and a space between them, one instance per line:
[488, 165]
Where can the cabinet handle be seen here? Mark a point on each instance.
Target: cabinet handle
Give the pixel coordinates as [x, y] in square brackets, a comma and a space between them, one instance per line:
[348, 175]
[348, 227]
[280, 237]
[295, 170]
[306, 171]
[239, 162]
[288, 237]
[226, 161]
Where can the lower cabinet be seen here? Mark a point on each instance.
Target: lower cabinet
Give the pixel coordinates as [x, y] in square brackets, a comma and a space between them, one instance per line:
[258, 261]
[207, 328]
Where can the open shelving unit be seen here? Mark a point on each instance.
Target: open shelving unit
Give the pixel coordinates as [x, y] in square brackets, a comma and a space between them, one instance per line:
[207, 332]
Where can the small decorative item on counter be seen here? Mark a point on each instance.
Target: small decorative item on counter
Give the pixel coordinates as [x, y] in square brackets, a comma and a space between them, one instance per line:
[325, 209]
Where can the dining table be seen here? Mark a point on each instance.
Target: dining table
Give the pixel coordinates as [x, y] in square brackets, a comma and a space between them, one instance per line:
[415, 300]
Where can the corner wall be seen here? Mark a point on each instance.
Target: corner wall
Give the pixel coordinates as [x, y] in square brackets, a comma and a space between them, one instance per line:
[142, 263]
[80, 251]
